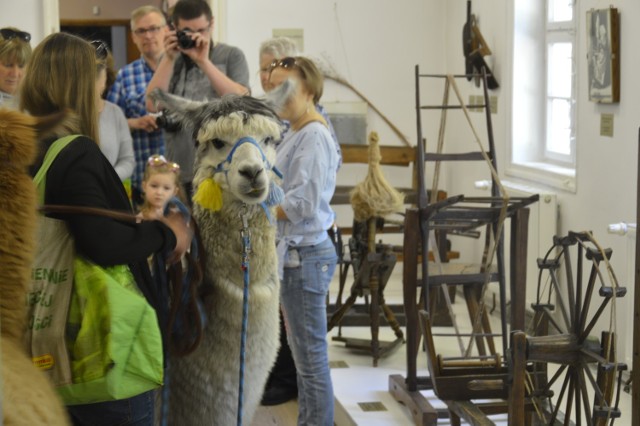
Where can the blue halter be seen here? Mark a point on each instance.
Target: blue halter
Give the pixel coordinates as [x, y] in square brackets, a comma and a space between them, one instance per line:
[276, 194]
[247, 139]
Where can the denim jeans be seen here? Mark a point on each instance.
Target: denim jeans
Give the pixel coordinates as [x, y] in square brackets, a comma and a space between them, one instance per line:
[304, 302]
[137, 410]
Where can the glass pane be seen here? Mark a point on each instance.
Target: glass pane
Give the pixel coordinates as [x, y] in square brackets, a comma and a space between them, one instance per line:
[559, 137]
[560, 10]
[560, 70]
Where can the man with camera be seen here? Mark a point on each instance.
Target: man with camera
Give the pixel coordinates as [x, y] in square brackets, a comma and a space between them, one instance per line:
[148, 26]
[195, 68]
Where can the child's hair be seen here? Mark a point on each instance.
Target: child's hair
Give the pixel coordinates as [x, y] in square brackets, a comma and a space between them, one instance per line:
[158, 164]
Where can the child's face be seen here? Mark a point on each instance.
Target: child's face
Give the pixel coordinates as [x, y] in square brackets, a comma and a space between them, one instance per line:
[159, 188]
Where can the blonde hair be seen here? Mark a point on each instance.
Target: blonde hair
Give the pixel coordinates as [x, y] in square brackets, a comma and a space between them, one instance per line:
[15, 49]
[144, 11]
[311, 77]
[61, 75]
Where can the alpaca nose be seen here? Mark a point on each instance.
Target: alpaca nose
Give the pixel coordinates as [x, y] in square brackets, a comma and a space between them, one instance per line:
[251, 172]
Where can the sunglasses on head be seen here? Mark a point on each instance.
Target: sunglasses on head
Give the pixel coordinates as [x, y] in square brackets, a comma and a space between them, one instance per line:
[101, 48]
[286, 63]
[159, 160]
[9, 34]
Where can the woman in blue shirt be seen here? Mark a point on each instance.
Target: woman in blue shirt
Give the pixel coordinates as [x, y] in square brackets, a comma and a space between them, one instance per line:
[309, 162]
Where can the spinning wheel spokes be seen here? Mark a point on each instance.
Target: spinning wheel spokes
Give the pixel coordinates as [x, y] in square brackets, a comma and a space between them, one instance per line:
[563, 336]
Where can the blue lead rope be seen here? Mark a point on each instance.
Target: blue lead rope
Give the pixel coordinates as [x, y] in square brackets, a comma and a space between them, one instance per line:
[246, 251]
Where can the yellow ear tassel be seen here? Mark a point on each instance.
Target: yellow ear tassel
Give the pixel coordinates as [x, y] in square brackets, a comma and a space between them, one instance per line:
[209, 195]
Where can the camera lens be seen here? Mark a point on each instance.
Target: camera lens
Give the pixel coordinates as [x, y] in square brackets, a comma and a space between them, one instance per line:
[185, 41]
[166, 122]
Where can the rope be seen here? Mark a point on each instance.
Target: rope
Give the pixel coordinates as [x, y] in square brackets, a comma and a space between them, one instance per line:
[246, 251]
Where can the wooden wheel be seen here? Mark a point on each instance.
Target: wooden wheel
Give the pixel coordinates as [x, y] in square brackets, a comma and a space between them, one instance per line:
[574, 373]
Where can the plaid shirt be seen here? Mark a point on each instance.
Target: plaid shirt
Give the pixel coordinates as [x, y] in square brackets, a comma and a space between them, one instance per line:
[128, 93]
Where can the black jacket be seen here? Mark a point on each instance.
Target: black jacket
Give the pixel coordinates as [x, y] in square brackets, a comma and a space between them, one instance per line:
[81, 176]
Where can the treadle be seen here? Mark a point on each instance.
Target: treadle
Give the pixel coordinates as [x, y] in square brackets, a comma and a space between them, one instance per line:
[385, 348]
[459, 273]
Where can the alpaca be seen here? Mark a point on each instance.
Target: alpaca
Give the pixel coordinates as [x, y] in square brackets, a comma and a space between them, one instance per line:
[235, 148]
[28, 398]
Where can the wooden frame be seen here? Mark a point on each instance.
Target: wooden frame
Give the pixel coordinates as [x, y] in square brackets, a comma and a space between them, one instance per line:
[603, 55]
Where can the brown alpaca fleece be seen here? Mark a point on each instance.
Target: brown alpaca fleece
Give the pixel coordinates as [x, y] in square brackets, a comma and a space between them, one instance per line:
[28, 398]
[17, 217]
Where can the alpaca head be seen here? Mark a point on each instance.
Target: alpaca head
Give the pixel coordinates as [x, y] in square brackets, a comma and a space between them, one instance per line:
[235, 136]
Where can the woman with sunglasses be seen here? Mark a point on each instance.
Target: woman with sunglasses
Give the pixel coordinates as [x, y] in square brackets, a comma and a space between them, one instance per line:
[14, 54]
[61, 75]
[282, 384]
[115, 138]
[309, 162]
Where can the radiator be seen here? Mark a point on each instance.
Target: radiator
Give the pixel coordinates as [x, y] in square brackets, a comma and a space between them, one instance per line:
[543, 225]
[625, 305]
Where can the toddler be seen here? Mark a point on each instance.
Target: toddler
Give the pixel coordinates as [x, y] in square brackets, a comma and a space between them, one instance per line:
[184, 317]
[160, 185]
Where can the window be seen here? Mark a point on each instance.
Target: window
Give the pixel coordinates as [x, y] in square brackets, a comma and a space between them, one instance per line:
[543, 127]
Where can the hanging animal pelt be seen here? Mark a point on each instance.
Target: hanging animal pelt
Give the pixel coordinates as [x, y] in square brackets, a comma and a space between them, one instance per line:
[27, 396]
[374, 197]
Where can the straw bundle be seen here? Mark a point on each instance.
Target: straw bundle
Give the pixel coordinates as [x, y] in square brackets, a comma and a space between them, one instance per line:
[374, 197]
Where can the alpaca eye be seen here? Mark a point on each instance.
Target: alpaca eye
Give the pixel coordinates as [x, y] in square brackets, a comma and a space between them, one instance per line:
[218, 143]
[268, 141]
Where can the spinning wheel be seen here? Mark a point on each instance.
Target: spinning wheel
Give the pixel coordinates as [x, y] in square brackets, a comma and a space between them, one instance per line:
[587, 382]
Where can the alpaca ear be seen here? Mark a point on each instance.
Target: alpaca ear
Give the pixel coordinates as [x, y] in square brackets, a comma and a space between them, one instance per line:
[278, 97]
[182, 110]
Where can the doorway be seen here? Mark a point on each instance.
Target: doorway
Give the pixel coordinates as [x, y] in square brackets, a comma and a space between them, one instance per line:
[115, 32]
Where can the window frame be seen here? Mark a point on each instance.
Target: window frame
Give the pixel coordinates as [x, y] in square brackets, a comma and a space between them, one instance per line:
[530, 159]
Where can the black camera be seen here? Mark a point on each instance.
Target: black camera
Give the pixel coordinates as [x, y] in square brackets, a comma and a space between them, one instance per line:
[184, 40]
[165, 121]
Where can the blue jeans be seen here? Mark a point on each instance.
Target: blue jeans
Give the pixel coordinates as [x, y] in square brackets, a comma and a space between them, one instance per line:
[304, 303]
[137, 410]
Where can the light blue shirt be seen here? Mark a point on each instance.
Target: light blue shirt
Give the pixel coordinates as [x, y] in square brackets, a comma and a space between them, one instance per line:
[309, 162]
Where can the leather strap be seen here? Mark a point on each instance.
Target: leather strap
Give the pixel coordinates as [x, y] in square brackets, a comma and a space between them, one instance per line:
[95, 211]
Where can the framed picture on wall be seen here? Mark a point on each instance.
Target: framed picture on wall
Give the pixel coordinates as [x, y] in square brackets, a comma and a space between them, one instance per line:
[603, 55]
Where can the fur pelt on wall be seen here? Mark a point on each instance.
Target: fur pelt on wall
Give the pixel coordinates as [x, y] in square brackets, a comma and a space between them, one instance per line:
[204, 385]
[28, 398]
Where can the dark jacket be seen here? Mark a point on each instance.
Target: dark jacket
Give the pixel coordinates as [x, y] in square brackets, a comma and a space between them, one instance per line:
[81, 176]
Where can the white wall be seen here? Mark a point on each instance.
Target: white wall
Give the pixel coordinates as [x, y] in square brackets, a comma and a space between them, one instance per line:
[606, 167]
[26, 15]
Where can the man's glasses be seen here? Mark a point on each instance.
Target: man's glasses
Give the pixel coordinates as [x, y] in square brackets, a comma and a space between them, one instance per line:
[151, 30]
[159, 160]
[101, 48]
[9, 34]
